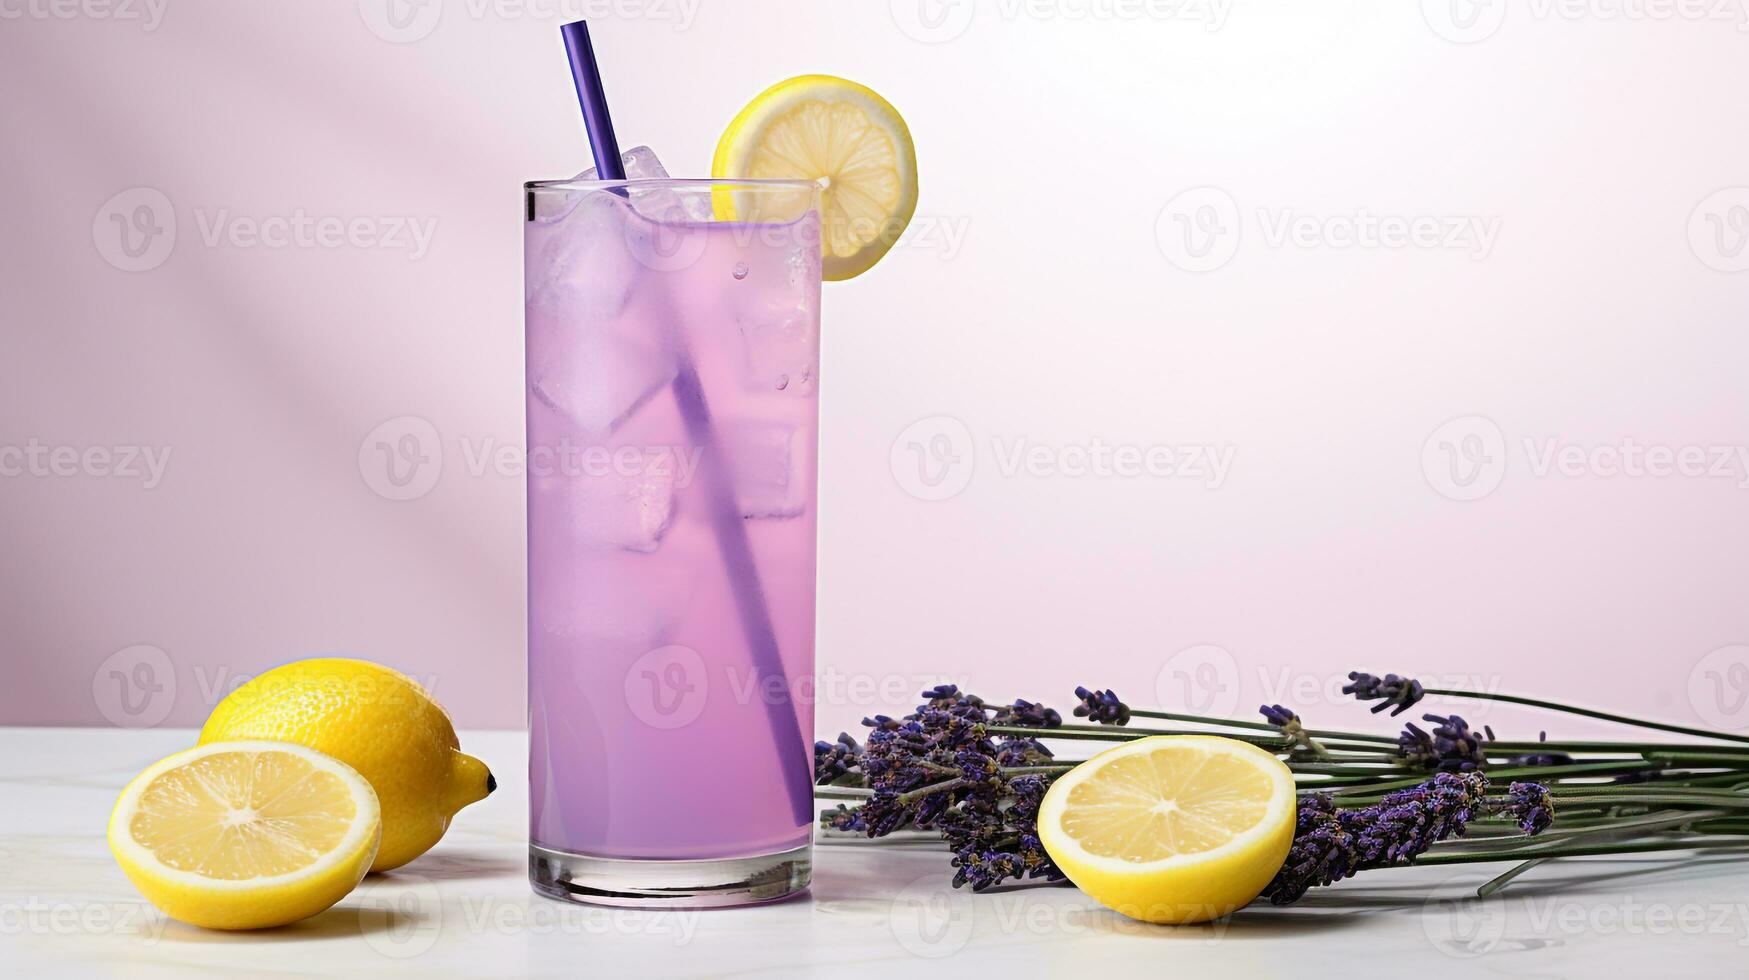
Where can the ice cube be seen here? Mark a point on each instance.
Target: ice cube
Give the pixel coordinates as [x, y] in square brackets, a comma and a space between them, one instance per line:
[783, 350]
[598, 378]
[767, 461]
[581, 268]
[658, 203]
[625, 510]
[777, 311]
[640, 164]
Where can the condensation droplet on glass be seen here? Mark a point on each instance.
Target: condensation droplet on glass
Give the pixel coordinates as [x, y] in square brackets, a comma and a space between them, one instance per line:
[740, 270]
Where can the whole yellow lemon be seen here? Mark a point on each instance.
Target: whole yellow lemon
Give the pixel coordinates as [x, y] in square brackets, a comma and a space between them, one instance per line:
[376, 720]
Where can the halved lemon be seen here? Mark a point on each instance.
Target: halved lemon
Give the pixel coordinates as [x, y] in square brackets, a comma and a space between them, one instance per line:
[245, 835]
[843, 136]
[1174, 828]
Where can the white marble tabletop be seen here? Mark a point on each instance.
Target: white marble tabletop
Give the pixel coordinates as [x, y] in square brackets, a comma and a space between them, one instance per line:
[465, 908]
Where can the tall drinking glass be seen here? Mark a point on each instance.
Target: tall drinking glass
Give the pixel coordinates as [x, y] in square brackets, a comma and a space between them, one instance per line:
[673, 332]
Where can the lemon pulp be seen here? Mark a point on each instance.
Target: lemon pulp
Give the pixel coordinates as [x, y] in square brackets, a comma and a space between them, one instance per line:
[237, 815]
[242, 835]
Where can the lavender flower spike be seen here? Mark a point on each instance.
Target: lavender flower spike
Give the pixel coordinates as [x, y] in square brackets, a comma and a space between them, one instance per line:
[1452, 746]
[1397, 693]
[1332, 844]
[1102, 707]
[1531, 805]
[835, 759]
[1292, 729]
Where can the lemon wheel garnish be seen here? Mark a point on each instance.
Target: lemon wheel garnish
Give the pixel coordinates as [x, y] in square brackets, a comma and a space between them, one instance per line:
[843, 136]
[245, 835]
[1175, 828]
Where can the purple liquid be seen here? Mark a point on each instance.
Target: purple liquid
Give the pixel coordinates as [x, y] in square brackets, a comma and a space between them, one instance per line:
[672, 432]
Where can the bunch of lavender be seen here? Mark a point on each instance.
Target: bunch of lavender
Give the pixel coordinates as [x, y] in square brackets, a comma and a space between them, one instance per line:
[1332, 843]
[938, 768]
[974, 774]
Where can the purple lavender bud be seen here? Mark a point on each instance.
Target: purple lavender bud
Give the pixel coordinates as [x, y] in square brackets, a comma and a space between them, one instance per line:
[1332, 844]
[1457, 747]
[1542, 758]
[1532, 806]
[1028, 714]
[1397, 693]
[1322, 852]
[1022, 752]
[945, 694]
[1277, 715]
[1292, 729]
[835, 759]
[1102, 707]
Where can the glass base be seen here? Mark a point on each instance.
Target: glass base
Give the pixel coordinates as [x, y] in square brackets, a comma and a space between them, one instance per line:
[679, 884]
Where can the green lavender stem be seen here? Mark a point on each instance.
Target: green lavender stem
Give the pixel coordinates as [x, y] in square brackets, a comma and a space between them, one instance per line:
[1585, 850]
[1587, 712]
[1318, 733]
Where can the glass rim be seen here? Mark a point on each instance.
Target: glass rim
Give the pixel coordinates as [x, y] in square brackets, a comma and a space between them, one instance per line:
[791, 184]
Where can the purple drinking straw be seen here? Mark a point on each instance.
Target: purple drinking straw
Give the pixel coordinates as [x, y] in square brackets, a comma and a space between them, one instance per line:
[726, 517]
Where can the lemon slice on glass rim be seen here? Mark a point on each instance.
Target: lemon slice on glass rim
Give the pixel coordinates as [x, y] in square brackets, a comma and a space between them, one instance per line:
[246, 835]
[1173, 828]
[841, 135]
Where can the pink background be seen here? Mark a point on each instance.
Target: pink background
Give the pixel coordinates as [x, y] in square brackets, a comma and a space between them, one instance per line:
[1054, 313]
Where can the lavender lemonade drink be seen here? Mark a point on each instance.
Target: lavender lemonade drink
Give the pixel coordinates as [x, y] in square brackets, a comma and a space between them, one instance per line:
[672, 413]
